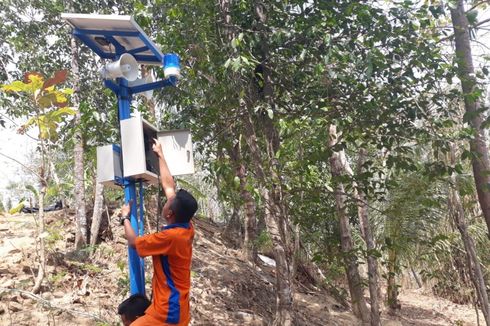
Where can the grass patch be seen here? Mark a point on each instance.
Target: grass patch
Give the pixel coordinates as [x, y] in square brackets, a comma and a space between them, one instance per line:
[56, 278]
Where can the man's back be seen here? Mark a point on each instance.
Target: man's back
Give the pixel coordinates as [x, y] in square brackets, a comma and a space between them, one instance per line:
[171, 251]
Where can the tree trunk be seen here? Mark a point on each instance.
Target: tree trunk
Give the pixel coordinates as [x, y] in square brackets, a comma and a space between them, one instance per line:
[392, 289]
[40, 227]
[276, 221]
[80, 209]
[475, 271]
[284, 296]
[250, 234]
[356, 290]
[250, 230]
[58, 183]
[366, 233]
[466, 73]
[249, 249]
[97, 214]
[362, 210]
[40, 236]
[278, 227]
[228, 33]
[296, 259]
[415, 276]
[233, 229]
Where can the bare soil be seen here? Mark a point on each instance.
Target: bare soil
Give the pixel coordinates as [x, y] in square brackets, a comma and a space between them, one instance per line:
[423, 309]
[84, 288]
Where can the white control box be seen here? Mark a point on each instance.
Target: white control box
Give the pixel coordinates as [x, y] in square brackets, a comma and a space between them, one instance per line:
[109, 165]
[177, 150]
[139, 160]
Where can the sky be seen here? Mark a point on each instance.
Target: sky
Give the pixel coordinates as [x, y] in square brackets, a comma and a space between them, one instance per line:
[15, 146]
[21, 147]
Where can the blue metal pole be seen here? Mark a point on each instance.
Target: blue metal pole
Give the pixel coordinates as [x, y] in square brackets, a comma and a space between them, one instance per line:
[136, 264]
[171, 71]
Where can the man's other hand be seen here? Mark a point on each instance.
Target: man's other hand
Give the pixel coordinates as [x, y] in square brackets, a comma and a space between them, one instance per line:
[128, 230]
[157, 148]
[126, 209]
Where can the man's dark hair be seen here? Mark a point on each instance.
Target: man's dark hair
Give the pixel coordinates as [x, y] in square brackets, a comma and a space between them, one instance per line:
[134, 306]
[184, 206]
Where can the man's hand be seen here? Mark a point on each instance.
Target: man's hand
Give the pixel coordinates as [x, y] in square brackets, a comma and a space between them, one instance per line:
[128, 230]
[126, 209]
[166, 178]
[157, 148]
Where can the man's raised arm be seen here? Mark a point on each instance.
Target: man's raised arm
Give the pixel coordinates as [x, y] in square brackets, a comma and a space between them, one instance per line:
[167, 180]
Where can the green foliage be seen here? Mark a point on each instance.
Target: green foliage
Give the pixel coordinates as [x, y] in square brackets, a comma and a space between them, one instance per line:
[101, 323]
[32, 190]
[263, 242]
[87, 267]
[16, 209]
[379, 73]
[190, 187]
[374, 72]
[121, 264]
[49, 103]
[57, 277]
[411, 210]
[123, 284]
[91, 268]
[54, 234]
[50, 51]
[2, 207]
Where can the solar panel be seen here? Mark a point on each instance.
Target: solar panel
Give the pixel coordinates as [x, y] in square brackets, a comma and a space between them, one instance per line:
[112, 35]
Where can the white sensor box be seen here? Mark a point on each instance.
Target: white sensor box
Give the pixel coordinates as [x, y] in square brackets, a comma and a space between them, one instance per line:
[109, 165]
[139, 160]
[177, 150]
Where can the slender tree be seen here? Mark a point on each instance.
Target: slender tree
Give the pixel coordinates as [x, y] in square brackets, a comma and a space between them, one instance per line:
[79, 170]
[473, 263]
[337, 163]
[48, 110]
[472, 102]
[97, 213]
[367, 235]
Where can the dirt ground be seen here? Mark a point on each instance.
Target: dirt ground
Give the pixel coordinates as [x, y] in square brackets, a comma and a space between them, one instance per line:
[84, 288]
[422, 309]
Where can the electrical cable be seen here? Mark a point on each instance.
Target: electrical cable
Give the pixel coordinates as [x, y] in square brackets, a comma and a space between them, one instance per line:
[141, 225]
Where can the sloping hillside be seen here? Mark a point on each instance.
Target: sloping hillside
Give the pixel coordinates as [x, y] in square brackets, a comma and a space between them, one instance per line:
[84, 289]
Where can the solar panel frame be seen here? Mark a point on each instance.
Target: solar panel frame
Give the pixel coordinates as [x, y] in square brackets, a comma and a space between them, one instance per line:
[122, 33]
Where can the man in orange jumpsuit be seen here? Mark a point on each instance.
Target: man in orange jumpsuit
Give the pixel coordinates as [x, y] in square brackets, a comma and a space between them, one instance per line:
[171, 251]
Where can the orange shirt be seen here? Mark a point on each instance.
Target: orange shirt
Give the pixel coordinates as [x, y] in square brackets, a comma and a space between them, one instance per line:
[171, 251]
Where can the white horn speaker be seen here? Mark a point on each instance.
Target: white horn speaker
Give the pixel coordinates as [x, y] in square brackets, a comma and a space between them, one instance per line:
[126, 67]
